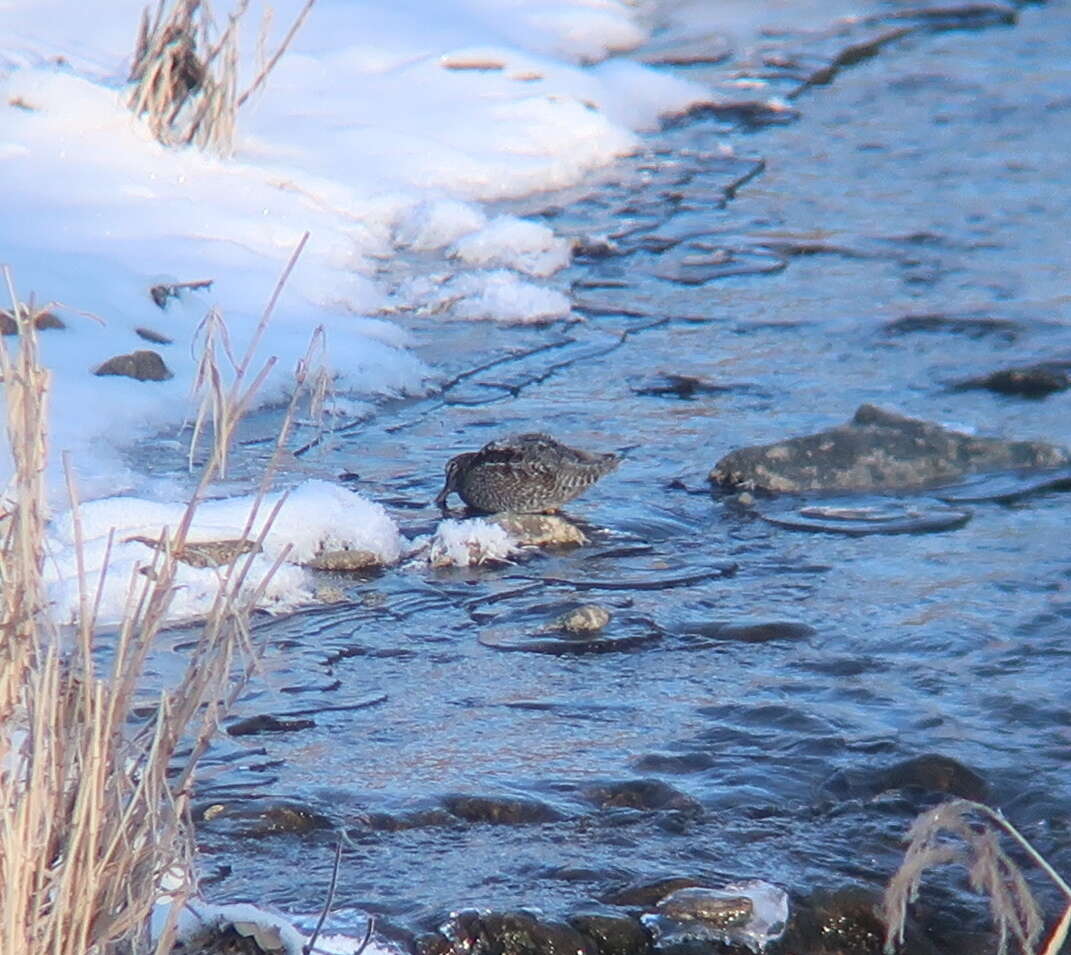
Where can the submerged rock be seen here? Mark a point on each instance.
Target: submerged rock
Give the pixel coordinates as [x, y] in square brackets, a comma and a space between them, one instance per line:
[500, 810]
[930, 772]
[1025, 381]
[673, 385]
[934, 773]
[261, 817]
[748, 630]
[646, 794]
[876, 450]
[855, 521]
[969, 326]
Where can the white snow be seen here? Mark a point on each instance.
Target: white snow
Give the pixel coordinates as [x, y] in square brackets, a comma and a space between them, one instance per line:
[469, 543]
[385, 129]
[271, 931]
[508, 241]
[314, 517]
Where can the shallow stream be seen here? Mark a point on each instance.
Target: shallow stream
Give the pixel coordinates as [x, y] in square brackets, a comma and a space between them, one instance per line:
[929, 180]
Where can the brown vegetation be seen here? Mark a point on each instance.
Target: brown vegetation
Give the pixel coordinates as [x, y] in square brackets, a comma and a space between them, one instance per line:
[95, 784]
[966, 832]
[185, 77]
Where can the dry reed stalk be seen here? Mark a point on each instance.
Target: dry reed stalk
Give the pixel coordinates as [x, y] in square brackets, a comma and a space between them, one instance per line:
[952, 833]
[185, 83]
[94, 816]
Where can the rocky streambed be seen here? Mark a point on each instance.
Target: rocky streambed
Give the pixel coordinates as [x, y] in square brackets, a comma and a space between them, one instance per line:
[772, 686]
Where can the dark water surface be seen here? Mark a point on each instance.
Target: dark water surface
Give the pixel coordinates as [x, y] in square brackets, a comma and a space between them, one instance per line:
[930, 180]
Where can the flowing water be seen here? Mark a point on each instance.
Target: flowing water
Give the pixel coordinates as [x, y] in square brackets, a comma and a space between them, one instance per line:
[930, 180]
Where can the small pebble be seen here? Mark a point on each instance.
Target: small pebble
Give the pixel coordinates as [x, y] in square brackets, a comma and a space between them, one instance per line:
[590, 618]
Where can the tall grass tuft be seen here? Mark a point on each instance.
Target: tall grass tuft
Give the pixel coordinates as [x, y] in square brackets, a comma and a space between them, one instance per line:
[95, 784]
[185, 77]
[968, 833]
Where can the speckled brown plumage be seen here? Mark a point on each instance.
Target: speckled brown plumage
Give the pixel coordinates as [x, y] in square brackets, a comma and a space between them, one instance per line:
[529, 473]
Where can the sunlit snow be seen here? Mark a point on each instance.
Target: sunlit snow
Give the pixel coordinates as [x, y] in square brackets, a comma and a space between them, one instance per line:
[385, 128]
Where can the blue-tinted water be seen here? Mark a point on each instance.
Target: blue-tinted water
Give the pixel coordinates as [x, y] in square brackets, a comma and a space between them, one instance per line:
[932, 179]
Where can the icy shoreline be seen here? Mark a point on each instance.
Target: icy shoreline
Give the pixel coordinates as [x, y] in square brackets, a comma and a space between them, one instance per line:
[378, 131]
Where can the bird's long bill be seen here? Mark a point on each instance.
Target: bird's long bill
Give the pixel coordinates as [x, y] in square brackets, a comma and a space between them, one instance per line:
[440, 499]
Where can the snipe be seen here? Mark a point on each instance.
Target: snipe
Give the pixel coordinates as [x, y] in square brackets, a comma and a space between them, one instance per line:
[529, 473]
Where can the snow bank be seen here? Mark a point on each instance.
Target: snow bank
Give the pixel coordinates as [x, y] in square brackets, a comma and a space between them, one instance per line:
[384, 126]
[315, 517]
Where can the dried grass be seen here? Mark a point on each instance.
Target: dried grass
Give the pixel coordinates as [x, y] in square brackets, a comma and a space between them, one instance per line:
[94, 785]
[185, 77]
[968, 833]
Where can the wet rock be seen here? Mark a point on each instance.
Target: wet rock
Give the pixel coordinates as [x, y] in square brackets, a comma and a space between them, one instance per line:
[588, 618]
[706, 905]
[264, 723]
[837, 923]
[959, 16]
[672, 385]
[42, 319]
[711, 48]
[673, 763]
[876, 450]
[847, 921]
[749, 631]
[747, 915]
[501, 811]
[612, 934]
[934, 773]
[506, 933]
[415, 819]
[139, 365]
[539, 530]
[930, 772]
[646, 895]
[647, 794]
[1026, 381]
[258, 818]
[157, 338]
[747, 112]
[345, 560]
[855, 521]
[967, 326]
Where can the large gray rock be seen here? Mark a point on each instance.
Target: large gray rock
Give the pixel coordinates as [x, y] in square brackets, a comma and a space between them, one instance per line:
[877, 450]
